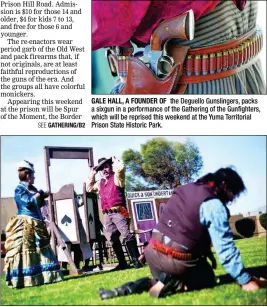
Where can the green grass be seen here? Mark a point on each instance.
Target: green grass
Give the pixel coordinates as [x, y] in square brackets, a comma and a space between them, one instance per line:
[84, 290]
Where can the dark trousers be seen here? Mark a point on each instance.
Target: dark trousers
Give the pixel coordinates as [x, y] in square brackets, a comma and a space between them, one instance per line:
[194, 274]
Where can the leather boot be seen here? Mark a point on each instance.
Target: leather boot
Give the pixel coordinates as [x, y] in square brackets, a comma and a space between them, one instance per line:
[167, 285]
[120, 256]
[134, 253]
[86, 268]
[138, 286]
[77, 254]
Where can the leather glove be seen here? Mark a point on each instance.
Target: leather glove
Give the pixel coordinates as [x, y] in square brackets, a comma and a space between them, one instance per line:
[43, 195]
[41, 192]
[46, 194]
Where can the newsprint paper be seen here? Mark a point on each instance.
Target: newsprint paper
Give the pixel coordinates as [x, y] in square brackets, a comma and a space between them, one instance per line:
[123, 79]
[49, 75]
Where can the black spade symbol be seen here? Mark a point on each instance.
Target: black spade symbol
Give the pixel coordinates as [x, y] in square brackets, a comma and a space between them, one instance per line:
[66, 220]
[91, 220]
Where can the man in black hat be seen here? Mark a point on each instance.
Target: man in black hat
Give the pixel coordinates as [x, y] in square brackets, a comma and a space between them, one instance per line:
[113, 203]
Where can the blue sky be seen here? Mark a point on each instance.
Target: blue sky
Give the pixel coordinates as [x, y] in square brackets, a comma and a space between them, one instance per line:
[246, 153]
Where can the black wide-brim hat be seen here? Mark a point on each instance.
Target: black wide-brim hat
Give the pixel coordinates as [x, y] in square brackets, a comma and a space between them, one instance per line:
[101, 163]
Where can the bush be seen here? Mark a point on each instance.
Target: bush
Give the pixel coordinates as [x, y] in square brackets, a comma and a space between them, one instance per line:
[245, 227]
[263, 220]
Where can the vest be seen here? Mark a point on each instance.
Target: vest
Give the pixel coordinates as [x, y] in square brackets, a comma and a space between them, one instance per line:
[180, 219]
[111, 195]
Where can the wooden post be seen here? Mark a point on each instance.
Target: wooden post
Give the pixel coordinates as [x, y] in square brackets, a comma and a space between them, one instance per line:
[74, 270]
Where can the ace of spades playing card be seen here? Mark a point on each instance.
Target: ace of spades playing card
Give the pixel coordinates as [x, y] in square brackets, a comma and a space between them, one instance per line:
[66, 214]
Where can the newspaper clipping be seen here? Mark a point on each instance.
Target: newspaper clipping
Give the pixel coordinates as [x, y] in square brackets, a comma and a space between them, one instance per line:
[141, 121]
[52, 83]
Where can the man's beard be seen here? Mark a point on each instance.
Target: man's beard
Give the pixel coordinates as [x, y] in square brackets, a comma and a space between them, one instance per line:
[106, 174]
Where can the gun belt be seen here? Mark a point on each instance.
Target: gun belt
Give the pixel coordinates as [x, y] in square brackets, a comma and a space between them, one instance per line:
[215, 61]
[170, 252]
[220, 61]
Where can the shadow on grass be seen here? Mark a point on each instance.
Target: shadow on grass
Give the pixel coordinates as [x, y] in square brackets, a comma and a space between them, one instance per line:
[259, 271]
[69, 277]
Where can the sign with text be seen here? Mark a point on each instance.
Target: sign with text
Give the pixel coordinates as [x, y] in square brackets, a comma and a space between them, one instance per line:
[149, 194]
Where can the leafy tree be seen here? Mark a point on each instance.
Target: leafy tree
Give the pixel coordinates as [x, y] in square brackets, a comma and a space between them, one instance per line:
[263, 220]
[161, 164]
[134, 183]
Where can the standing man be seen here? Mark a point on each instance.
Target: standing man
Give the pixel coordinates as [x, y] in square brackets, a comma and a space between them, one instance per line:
[116, 217]
[195, 215]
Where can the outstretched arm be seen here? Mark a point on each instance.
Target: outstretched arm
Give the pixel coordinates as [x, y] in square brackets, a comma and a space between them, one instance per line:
[213, 215]
[119, 178]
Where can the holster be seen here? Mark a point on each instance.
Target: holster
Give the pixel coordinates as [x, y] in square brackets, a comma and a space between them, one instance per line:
[195, 65]
[141, 80]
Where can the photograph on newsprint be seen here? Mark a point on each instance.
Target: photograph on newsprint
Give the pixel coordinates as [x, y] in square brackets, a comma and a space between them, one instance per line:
[133, 220]
[211, 52]
[61, 60]
[178, 47]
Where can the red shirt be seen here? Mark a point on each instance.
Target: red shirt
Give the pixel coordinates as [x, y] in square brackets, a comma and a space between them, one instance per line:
[116, 22]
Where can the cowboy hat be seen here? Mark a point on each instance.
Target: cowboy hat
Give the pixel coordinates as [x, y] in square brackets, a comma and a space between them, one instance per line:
[101, 163]
[25, 164]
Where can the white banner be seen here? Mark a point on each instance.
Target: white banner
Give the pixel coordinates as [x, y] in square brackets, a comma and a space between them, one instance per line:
[150, 194]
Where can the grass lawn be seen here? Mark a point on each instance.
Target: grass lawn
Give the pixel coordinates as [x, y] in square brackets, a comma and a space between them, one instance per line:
[84, 290]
